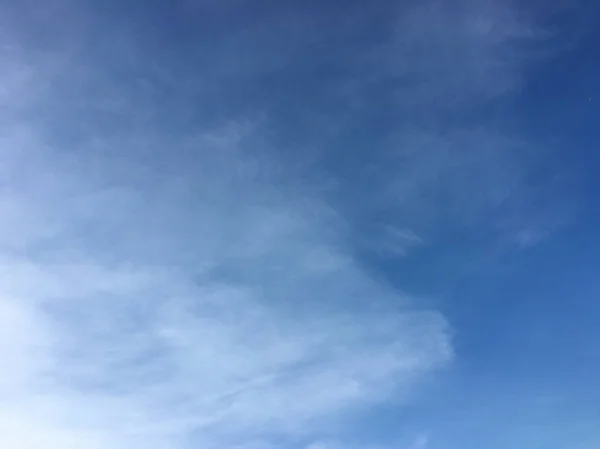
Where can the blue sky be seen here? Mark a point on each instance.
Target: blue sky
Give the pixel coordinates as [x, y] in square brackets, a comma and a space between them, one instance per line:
[305, 225]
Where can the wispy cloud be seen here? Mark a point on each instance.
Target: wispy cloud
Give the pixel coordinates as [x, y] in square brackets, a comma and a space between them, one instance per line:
[162, 307]
[104, 344]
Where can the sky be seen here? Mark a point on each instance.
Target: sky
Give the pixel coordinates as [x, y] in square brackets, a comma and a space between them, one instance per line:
[259, 224]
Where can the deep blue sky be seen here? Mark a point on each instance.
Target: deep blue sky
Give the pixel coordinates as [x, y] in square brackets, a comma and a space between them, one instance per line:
[317, 225]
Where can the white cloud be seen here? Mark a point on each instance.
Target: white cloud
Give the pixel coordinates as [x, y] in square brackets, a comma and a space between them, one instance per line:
[117, 352]
[144, 307]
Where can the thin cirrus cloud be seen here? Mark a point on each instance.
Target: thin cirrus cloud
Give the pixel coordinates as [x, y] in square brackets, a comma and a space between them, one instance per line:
[162, 286]
[156, 310]
[103, 347]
